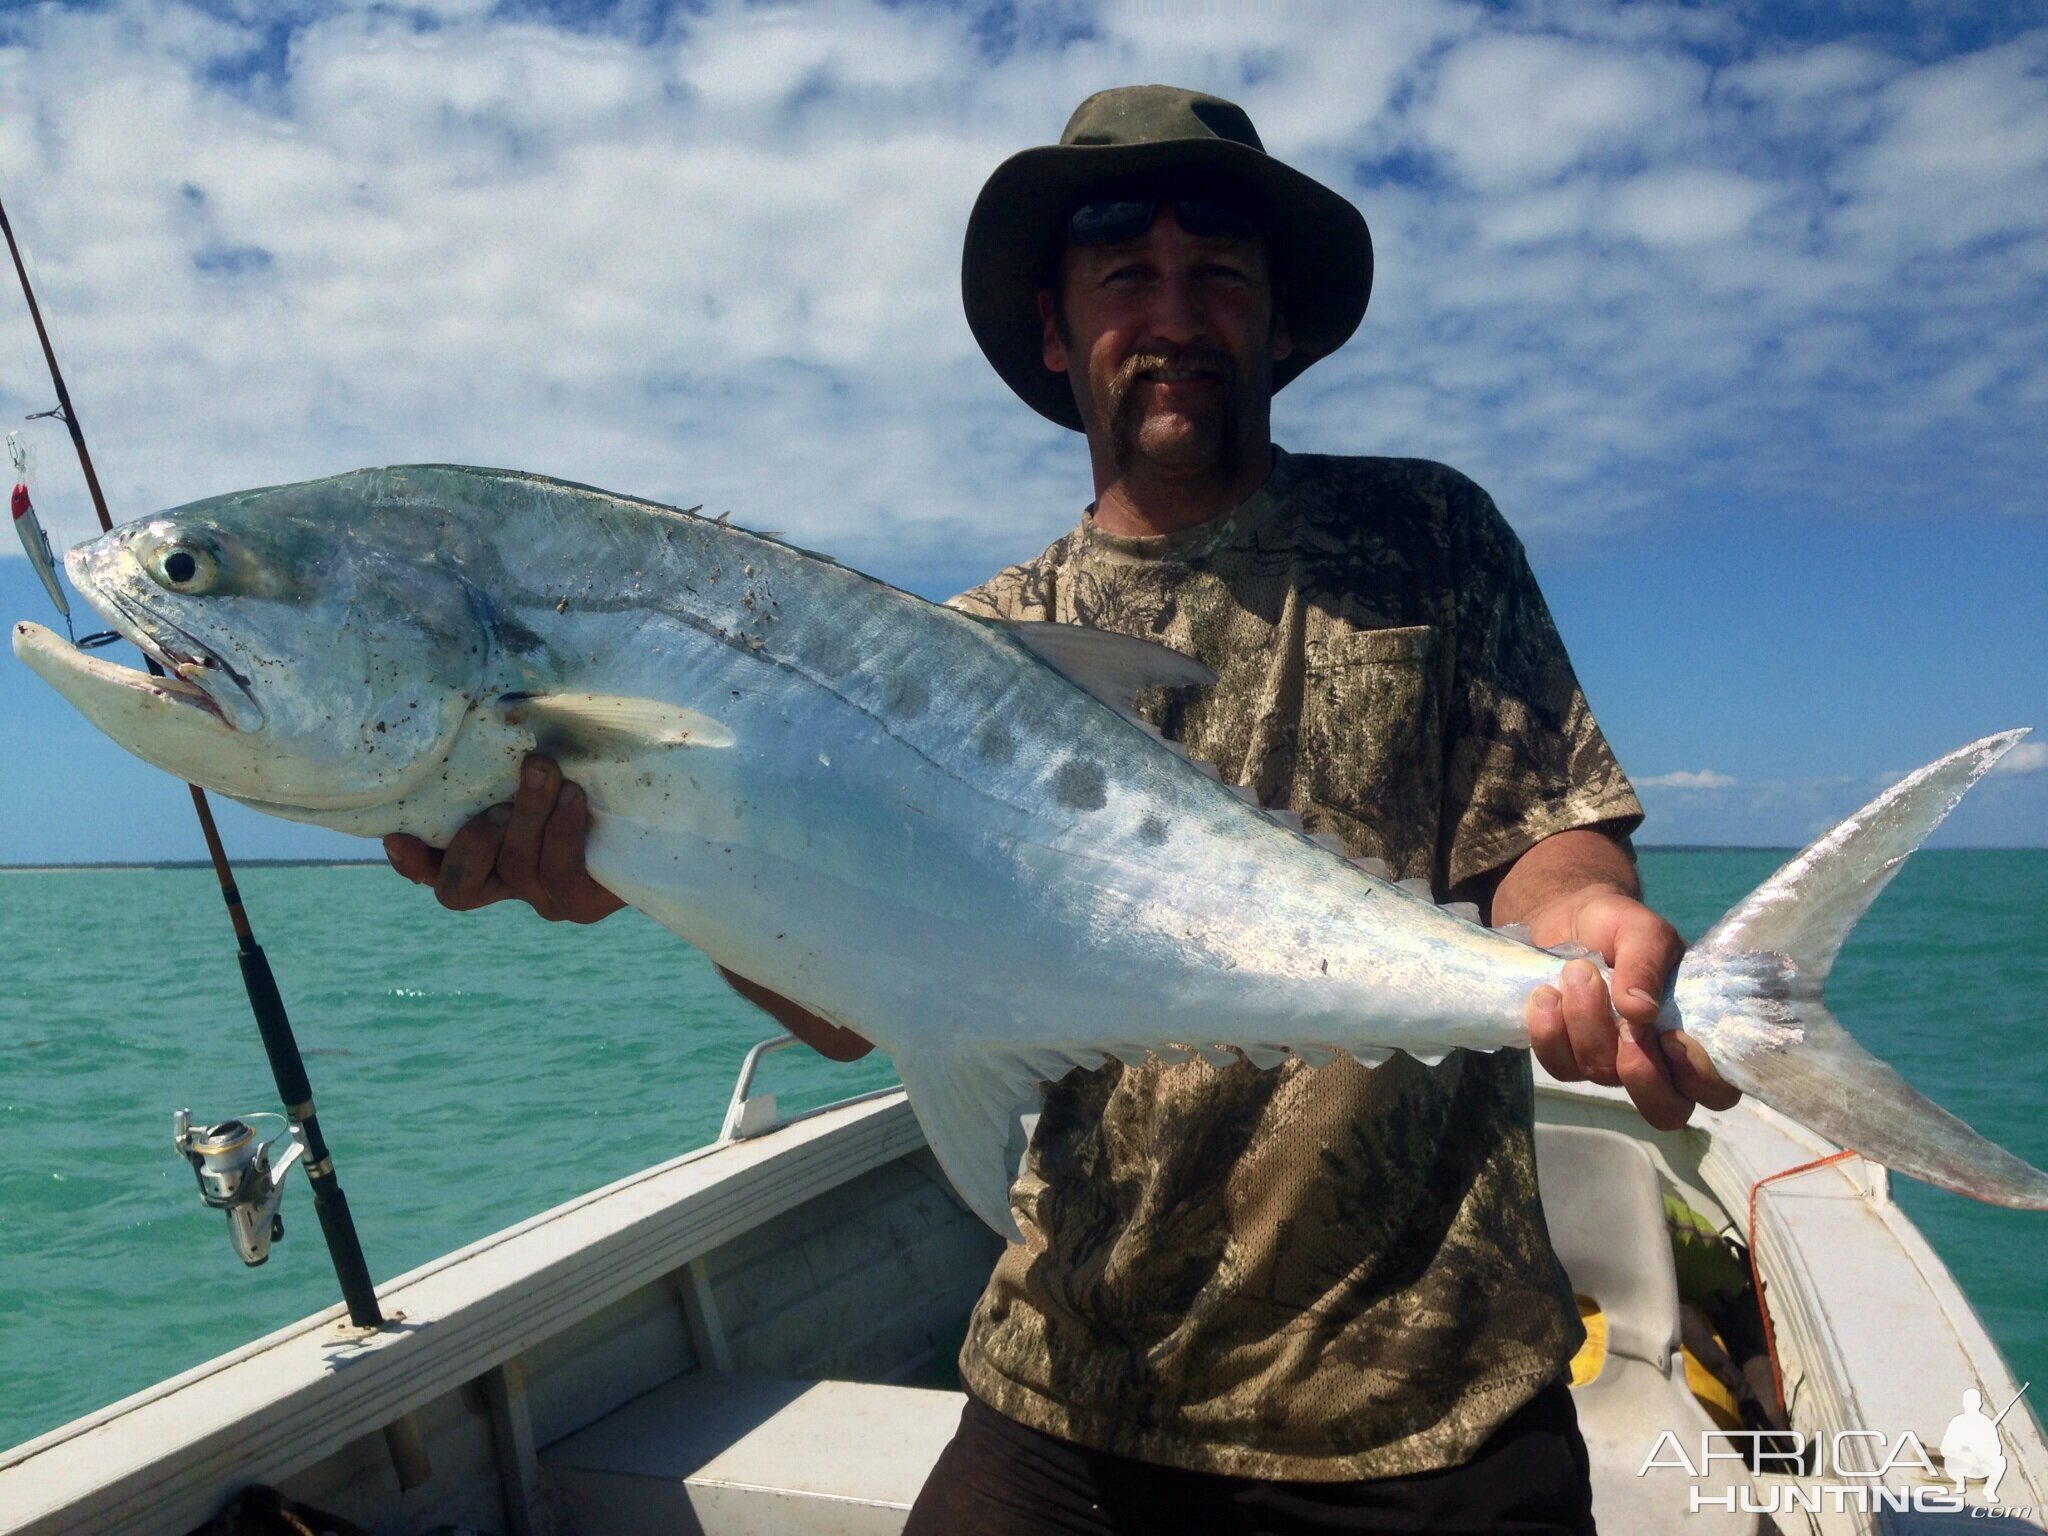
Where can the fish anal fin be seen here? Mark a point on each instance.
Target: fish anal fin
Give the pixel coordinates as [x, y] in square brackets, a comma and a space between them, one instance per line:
[971, 1105]
[610, 724]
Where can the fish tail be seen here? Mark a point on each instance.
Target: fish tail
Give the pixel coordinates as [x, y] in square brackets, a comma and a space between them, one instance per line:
[1750, 992]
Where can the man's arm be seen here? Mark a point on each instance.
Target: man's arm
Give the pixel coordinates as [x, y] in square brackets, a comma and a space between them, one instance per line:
[1580, 886]
[532, 851]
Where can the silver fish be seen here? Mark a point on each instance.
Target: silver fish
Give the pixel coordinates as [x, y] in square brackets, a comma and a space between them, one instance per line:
[947, 835]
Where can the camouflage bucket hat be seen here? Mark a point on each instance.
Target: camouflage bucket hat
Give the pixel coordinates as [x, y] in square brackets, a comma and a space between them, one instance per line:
[1322, 252]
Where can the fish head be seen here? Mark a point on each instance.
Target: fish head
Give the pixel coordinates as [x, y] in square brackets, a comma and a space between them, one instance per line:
[320, 649]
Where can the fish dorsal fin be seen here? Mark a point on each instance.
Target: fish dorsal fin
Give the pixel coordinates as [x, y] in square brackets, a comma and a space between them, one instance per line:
[604, 724]
[1114, 668]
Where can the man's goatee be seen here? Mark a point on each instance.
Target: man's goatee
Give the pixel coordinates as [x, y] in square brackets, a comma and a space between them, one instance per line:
[1223, 447]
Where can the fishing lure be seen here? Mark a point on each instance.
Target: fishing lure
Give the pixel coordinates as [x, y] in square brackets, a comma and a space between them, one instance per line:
[30, 529]
[36, 543]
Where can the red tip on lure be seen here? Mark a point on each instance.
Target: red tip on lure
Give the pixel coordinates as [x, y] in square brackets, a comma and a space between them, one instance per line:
[36, 544]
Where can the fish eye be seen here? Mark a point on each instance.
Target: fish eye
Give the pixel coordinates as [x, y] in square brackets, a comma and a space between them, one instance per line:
[185, 567]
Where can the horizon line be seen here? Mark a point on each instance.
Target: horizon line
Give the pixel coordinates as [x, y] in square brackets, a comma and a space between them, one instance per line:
[55, 866]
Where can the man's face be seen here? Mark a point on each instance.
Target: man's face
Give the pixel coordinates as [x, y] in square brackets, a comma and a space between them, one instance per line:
[1170, 340]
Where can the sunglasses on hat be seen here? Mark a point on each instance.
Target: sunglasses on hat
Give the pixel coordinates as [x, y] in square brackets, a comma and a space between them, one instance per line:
[1114, 220]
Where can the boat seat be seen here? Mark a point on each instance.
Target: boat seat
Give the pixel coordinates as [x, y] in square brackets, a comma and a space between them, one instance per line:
[717, 1453]
[1605, 1209]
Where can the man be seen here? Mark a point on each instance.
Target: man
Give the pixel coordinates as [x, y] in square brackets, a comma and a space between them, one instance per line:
[1312, 1298]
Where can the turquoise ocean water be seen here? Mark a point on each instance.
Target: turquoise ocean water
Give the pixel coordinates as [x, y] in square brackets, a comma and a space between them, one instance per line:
[472, 1070]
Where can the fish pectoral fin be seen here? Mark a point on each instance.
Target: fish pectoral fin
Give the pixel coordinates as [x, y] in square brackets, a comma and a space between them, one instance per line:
[597, 724]
[1112, 668]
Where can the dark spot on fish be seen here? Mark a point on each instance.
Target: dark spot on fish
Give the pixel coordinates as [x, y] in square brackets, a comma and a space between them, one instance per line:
[994, 742]
[1152, 831]
[1031, 716]
[906, 696]
[828, 654]
[1080, 784]
[515, 636]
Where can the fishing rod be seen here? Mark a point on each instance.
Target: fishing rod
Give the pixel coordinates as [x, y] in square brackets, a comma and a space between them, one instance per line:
[234, 1169]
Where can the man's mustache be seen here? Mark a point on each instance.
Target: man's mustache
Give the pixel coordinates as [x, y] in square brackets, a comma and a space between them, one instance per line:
[1203, 358]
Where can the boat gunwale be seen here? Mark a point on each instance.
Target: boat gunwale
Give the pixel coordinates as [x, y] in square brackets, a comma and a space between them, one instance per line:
[168, 1479]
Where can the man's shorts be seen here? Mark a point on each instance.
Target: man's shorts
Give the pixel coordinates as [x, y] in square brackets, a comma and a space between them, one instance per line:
[999, 1478]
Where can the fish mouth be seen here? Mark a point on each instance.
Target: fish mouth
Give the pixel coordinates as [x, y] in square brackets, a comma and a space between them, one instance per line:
[53, 658]
[192, 672]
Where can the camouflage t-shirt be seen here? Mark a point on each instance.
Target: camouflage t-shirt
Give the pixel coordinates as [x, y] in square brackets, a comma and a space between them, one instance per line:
[1311, 1272]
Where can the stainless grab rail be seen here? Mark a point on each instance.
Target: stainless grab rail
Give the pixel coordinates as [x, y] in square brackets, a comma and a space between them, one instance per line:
[746, 1116]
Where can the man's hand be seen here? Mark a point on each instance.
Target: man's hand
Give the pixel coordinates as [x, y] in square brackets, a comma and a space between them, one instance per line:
[530, 851]
[1579, 887]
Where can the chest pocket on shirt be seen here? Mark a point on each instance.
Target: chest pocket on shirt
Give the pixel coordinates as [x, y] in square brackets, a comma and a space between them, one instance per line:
[1372, 739]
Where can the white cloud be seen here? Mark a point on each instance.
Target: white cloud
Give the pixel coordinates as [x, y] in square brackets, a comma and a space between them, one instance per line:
[1685, 206]
[1957, 130]
[2027, 757]
[1688, 778]
[1519, 109]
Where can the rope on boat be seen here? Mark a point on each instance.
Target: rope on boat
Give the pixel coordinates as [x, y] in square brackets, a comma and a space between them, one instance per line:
[1756, 1279]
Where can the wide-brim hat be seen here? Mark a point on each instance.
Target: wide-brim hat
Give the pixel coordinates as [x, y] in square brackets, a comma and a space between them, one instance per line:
[1322, 251]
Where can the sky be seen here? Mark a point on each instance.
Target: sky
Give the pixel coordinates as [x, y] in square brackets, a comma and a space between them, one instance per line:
[1739, 312]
